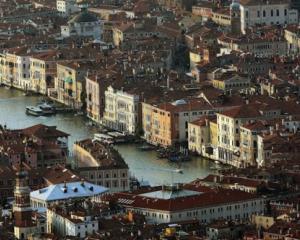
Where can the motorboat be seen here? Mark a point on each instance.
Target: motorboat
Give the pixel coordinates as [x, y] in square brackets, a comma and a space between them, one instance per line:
[47, 109]
[147, 147]
[118, 137]
[34, 111]
[104, 138]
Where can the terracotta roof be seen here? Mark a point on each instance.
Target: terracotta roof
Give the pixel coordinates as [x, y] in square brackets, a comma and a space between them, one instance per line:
[43, 131]
[245, 111]
[208, 197]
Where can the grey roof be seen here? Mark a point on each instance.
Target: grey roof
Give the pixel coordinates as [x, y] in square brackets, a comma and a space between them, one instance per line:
[84, 16]
[167, 194]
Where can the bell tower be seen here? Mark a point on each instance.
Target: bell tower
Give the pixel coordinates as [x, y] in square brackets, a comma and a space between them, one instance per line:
[22, 211]
[235, 16]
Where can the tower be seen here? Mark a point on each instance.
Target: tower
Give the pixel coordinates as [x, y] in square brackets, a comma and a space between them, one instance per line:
[22, 210]
[235, 16]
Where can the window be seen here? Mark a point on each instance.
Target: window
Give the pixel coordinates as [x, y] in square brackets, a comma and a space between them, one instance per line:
[277, 13]
[272, 13]
[264, 13]
[258, 13]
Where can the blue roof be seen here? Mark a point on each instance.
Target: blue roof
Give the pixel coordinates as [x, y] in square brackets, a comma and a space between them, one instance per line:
[72, 190]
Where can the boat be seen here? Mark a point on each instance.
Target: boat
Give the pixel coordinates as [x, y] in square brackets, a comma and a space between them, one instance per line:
[118, 137]
[178, 170]
[34, 111]
[47, 109]
[178, 157]
[104, 138]
[146, 147]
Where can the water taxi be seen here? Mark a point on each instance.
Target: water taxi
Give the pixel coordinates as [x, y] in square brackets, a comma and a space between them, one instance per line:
[34, 111]
[47, 109]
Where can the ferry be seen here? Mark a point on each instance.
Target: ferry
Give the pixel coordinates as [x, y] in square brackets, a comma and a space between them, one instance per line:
[34, 111]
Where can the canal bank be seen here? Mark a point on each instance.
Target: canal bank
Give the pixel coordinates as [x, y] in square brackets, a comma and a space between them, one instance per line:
[143, 165]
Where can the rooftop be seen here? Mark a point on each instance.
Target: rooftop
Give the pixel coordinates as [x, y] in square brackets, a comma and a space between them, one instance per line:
[67, 191]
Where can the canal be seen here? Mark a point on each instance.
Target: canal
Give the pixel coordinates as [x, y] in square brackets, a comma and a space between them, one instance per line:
[143, 165]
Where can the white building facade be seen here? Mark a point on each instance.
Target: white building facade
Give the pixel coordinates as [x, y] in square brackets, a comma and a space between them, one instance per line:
[272, 12]
[121, 111]
[73, 225]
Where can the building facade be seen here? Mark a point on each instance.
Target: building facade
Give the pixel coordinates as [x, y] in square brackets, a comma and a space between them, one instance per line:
[102, 165]
[121, 111]
[273, 12]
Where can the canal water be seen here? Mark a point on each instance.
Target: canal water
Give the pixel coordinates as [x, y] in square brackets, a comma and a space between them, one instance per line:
[143, 165]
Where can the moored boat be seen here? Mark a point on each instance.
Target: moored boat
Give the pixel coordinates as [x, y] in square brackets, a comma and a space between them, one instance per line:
[34, 111]
[146, 147]
[103, 138]
[47, 109]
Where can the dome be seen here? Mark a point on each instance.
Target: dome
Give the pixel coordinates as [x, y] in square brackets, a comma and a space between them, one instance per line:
[235, 5]
[83, 17]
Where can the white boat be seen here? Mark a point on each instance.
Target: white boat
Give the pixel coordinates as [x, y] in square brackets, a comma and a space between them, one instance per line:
[47, 109]
[103, 138]
[118, 137]
[35, 111]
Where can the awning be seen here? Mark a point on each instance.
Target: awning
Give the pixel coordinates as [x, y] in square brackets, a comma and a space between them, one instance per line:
[68, 80]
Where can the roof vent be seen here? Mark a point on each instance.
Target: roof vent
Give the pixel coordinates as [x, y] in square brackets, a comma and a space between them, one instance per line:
[91, 188]
[75, 189]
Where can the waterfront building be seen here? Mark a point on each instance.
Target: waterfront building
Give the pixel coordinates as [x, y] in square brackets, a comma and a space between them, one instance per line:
[38, 146]
[178, 203]
[203, 135]
[122, 111]
[96, 85]
[101, 164]
[43, 71]
[15, 68]
[229, 123]
[70, 83]
[64, 192]
[167, 123]
[272, 12]
[72, 221]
